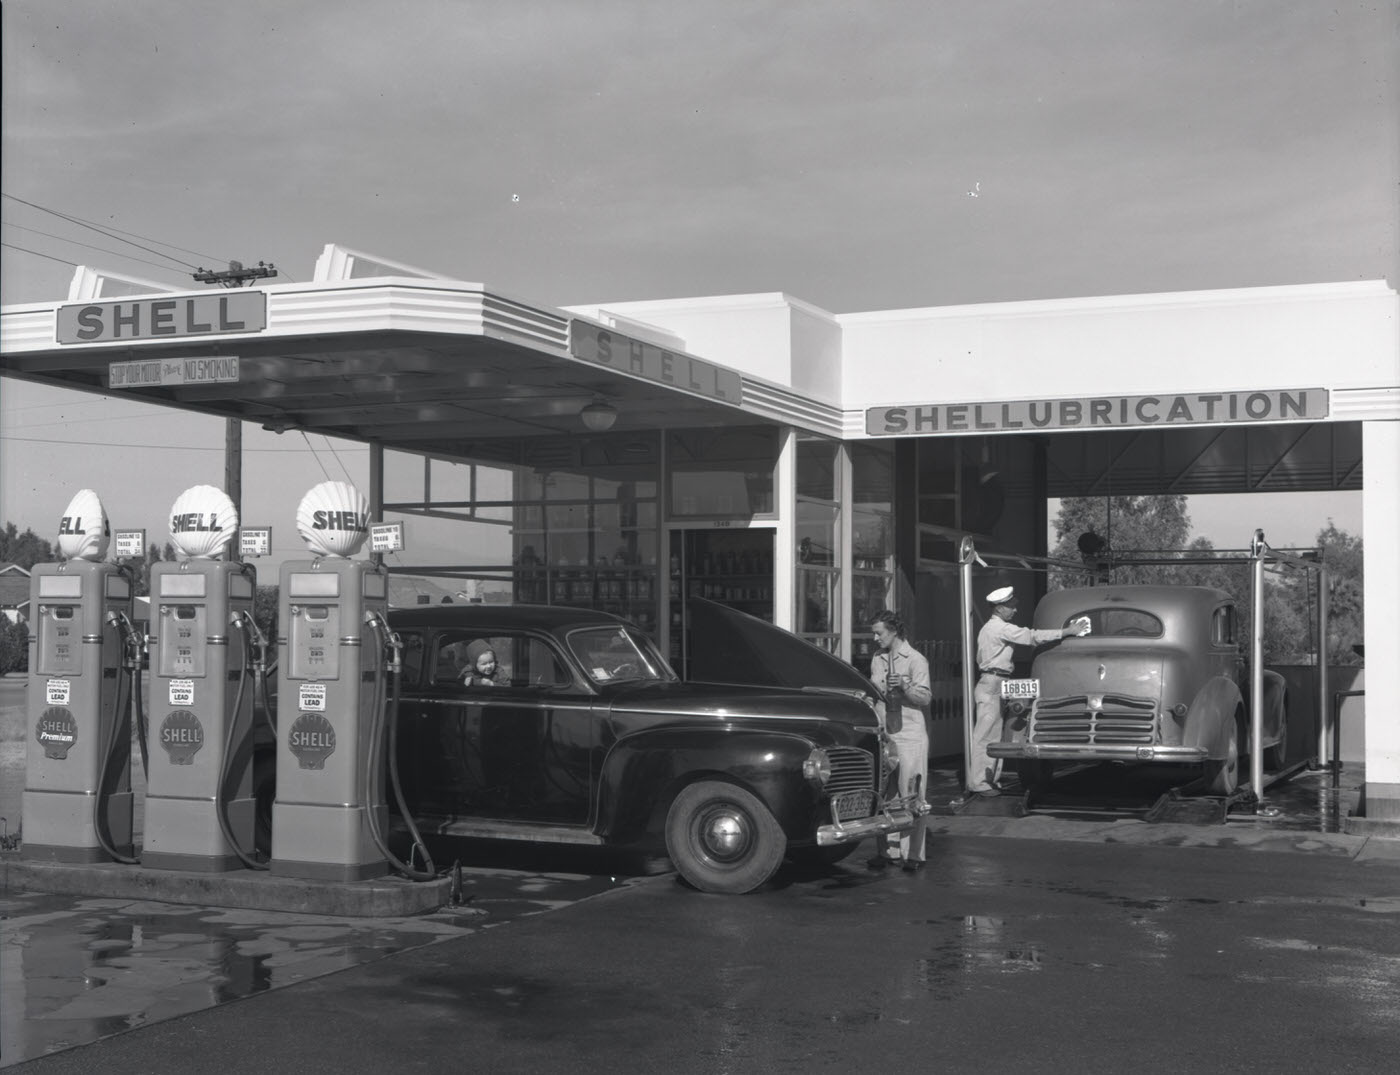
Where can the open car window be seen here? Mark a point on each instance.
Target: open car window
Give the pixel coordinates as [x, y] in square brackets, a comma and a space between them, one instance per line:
[522, 662]
[615, 655]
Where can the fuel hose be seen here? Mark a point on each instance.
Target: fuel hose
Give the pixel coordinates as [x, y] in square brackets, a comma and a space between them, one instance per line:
[373, 777]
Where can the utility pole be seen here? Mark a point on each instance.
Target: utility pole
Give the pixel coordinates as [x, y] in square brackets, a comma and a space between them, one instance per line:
[236, 275]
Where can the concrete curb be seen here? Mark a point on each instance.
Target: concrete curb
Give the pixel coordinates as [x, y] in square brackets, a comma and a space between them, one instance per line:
[384, 897]
[1247, 835]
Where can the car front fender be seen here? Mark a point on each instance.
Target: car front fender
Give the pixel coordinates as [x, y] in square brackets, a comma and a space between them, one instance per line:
[644, 772]
[1209, 719]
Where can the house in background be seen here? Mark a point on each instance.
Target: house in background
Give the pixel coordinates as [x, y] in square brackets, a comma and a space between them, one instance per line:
[14, 592]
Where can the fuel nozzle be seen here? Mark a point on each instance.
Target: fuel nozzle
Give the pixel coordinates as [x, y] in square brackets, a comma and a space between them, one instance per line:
[132, 641]
[391, 639]
[244, 621]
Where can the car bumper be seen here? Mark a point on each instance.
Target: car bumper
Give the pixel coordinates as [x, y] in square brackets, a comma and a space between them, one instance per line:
[1097, 752]
[893, 819]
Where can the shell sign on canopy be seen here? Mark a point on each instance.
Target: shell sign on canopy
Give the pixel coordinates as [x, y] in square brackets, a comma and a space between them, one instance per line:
[333, 519]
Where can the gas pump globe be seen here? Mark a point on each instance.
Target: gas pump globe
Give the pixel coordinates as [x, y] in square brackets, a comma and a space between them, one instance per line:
[77, 804]
[328, 664]
[199, 803]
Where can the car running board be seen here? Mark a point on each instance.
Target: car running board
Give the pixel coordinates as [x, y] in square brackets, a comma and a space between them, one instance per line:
[474, 828]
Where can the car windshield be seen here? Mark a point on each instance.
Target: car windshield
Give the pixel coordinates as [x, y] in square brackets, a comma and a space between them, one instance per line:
[615, 655]
[1119, 623]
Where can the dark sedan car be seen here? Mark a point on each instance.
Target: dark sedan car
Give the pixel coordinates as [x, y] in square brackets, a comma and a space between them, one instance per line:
[588, 737]
[1161, 677]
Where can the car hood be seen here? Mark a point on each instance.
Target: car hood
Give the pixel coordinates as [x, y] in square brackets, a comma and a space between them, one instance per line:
[728, 646]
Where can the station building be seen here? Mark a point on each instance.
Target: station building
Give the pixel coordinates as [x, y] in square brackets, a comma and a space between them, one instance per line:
[808, 467]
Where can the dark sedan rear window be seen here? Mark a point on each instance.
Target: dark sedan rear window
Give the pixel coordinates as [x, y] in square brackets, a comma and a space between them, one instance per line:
[1120, 623]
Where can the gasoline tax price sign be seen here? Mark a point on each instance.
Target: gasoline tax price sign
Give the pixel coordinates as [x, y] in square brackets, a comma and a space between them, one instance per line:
[386, 537]
[129, 544]
[254, 541]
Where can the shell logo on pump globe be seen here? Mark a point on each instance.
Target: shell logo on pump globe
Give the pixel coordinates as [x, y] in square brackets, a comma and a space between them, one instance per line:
[202, 522]
[333, 519]
[83, 533]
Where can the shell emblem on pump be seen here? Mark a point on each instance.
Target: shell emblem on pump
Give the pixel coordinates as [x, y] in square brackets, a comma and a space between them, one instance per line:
[202, 522]
[181, 735]
[57, 731]
[83, 532]
[333, 519]
[312, 739]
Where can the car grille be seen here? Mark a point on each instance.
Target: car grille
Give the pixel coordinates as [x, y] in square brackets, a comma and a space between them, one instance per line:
[1122, 718]
[852, 769]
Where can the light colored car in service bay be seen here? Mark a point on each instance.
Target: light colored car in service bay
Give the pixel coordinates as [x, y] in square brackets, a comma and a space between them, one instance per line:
[1162, 677]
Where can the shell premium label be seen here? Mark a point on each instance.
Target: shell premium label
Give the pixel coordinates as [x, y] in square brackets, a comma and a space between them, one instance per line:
[312, 740]
[56, 731]
[181, 734]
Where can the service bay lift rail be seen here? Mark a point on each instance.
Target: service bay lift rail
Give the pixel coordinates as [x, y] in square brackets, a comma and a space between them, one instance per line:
[1259, 556]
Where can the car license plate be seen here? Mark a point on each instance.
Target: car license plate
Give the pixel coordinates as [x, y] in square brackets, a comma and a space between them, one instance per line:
[849, 805]
[1020, 688]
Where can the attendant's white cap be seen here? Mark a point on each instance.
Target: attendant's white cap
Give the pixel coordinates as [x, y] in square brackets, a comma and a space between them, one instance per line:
[1002, 596]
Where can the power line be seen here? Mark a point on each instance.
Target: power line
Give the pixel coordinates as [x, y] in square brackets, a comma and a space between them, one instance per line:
[75, 242]
[324, 471]
[65, 261]
[36, 253]
[119, 231]
[103, 231]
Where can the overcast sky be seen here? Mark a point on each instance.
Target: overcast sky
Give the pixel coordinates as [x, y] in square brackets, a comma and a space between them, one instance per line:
[857, 156]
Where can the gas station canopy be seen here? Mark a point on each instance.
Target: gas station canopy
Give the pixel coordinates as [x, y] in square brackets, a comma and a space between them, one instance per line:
[376, 351]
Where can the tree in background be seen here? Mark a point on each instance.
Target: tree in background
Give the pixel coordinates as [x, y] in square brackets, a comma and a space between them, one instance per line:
[26, 549]
[1160, 525]
[1139, 523]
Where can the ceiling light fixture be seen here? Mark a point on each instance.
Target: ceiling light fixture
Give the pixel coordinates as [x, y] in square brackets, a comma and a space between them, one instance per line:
[598, 416]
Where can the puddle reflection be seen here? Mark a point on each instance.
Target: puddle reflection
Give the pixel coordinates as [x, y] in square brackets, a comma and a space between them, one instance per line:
[73, 970]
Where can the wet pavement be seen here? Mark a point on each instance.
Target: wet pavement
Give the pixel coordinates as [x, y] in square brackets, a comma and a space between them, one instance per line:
[1076, 887]
[1076, 956]
[77, 970]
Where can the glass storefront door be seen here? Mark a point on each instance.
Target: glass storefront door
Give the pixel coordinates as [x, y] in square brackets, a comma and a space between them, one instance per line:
[733, 567]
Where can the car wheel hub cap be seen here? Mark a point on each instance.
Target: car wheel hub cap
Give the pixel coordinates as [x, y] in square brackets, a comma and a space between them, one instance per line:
[725, 835]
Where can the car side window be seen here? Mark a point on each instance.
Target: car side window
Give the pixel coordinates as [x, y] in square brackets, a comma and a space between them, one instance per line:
[522, 662]
[541, 666]
[412, 657]
[457, 652]
[1222, 626]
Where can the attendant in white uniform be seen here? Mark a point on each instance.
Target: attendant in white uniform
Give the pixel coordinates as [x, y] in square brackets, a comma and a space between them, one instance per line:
[995, 644]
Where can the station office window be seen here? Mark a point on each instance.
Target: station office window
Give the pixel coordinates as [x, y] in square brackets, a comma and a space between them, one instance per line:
[818, 550]
[722, 473]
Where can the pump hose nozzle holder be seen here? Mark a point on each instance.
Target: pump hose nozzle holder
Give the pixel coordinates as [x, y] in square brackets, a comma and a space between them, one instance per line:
[394, 645]
[121, 722]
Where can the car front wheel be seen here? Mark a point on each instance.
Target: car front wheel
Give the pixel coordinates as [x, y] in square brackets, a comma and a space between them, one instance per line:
[722, 838]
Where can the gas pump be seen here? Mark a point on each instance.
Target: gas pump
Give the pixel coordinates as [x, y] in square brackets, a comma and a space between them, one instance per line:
[330, 804]
[199, 802]
[77, 802]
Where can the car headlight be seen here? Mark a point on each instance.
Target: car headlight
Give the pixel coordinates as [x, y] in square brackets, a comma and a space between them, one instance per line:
[817, 768]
